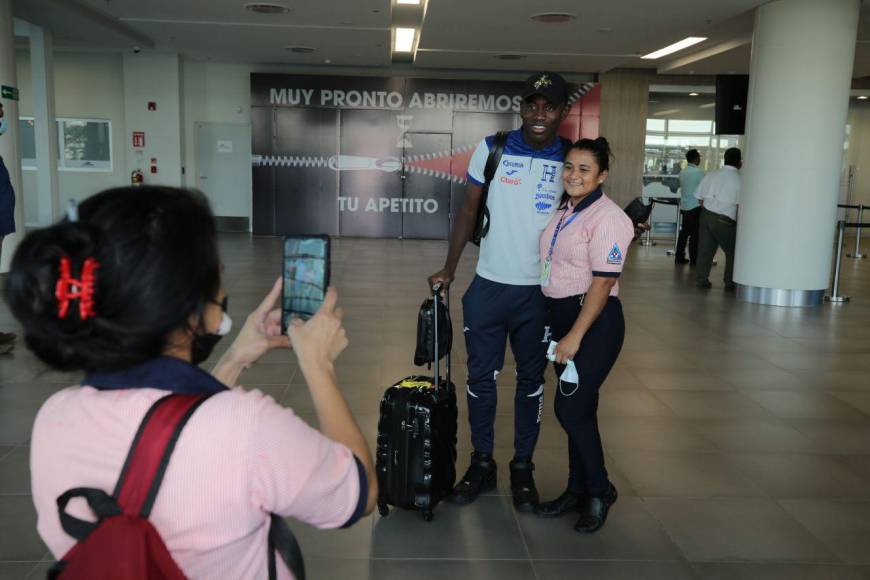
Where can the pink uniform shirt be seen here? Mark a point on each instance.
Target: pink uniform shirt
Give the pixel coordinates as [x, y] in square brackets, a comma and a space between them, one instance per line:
[240, 457]
[594, 243]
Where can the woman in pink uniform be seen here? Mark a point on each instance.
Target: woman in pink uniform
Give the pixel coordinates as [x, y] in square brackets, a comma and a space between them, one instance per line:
[130, 293]
[582, 254]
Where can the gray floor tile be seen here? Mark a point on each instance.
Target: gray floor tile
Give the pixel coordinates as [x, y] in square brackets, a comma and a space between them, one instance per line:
[574, 569]
[805, 405]
[754, 435]
[486, 529]
[836, 436]
[791, 475]
[709, 530]
[858, 400]
[844, 526]
[653, 433]
[15, 471]
[18, 538]
[704, 405]
[382, 569]
[775, 572]
[631, 403]
[630, 533]
[685, 474]
[354, 542]
[16, 570]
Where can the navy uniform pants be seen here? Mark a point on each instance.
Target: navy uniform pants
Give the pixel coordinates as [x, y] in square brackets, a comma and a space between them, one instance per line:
[577, 408]
[494, 313]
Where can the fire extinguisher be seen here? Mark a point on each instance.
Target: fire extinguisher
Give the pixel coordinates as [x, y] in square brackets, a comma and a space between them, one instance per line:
[136, 178]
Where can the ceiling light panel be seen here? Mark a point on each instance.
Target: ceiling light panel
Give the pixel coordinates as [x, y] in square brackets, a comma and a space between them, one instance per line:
[405, 39]
[675, 47]
[415, 2]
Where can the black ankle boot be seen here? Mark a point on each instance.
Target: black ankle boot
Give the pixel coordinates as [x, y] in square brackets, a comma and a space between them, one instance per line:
[593, 512]
[567, 502]
[523, 485]
[481, 476]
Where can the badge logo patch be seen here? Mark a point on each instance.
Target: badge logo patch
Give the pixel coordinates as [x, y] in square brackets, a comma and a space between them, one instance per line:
[543, 81]
[615, 256]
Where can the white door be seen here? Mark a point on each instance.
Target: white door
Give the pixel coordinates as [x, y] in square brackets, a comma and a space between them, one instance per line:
[223, 167]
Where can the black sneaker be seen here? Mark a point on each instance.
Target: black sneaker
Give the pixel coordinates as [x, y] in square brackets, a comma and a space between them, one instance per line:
[480, 477]
[523, 485]
[680, 261]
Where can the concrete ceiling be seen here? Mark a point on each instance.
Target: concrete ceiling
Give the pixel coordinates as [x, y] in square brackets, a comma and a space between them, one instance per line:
[455, 34]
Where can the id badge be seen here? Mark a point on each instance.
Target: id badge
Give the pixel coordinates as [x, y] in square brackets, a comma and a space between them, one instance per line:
[545, 273]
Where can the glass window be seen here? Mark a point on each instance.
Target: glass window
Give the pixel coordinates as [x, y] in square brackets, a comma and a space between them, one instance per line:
[27, 142]
[683, 126]
[655, 125]
[85, 144]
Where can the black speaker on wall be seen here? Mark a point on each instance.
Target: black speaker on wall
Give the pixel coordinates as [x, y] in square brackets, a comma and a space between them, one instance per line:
[731, 95]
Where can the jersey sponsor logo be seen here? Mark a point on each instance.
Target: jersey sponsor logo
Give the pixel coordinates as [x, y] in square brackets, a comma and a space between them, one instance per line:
[548, 174]
[543, 207]
[511, 180]
[545, 195]
[513, 164]
[512, 172]
[615, 256]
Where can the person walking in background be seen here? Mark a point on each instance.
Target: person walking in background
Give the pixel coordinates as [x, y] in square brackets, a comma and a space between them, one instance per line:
[690, 178]
[7, 222]
[719, 195]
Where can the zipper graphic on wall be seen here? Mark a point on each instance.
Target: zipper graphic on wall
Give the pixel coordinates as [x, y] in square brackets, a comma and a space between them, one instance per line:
[441, 165]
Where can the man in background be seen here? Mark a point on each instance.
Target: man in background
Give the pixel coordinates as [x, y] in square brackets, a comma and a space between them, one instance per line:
[690, 178]
[7, 222]
[719, 195]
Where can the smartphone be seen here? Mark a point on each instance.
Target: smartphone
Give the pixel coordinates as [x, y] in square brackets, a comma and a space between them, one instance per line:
[305, 277]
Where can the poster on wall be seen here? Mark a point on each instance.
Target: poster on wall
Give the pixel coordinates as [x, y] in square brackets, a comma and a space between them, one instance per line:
[376, 157]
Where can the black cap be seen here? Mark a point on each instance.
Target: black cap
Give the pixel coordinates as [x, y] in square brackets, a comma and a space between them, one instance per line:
[549, 85]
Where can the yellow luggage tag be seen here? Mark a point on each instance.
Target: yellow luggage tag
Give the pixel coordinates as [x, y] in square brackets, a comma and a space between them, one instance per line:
[410, 384]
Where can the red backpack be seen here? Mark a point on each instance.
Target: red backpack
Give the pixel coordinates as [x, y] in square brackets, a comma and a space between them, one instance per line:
[122, 544]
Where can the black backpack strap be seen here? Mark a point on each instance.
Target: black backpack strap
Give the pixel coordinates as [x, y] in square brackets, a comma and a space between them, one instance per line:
[495, 153]
[282, 541]
[566, 144]
[149, 454]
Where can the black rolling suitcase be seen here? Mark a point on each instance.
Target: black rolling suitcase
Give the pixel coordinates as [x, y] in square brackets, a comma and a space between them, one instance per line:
[416, 452]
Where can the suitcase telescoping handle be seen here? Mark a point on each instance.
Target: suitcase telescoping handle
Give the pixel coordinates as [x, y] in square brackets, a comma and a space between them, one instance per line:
[436, 289]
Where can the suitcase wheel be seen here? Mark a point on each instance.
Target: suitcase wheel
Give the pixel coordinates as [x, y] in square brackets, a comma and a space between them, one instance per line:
[383, 509]
[428, 515]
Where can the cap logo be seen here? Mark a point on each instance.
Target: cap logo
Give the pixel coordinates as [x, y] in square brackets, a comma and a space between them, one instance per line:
[544, 81]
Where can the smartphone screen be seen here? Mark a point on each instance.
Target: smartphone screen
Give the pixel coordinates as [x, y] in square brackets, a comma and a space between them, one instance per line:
[305, 275]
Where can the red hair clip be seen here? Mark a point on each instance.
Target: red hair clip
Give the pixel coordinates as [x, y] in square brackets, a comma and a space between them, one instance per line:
[68, 288]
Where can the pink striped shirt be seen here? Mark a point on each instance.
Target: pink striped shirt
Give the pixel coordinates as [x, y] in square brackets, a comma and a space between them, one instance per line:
[594, 243]
[240, 456]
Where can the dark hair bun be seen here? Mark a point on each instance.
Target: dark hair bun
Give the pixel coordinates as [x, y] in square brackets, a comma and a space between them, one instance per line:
[600, 149]
[158, 264]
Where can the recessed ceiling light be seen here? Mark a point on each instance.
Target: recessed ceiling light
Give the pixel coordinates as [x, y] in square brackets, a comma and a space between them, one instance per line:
[675, 47]
[266, 8]
[707, 106]
[553, 17]
[693, 94]
[327, 61]
[862, 98]
[510, 56]
[668, 112]
[408, 2]
[300, 49]
[405, 39]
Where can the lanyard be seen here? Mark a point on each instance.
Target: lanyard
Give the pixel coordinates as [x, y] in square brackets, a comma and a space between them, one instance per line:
[559, 228]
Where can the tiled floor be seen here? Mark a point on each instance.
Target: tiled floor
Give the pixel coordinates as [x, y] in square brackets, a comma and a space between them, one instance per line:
[738, 435]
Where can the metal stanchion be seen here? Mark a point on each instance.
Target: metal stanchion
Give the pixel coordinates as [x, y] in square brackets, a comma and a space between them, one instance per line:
[835, 297]
[857, 255]
[647, 237]
[673, 251]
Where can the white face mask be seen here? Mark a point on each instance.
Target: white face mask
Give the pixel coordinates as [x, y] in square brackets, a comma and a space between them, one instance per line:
[226, 325]
[569, 377]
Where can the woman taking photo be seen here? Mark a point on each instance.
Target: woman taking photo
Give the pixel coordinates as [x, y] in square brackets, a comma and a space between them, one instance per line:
[582, 254]
[130, 293]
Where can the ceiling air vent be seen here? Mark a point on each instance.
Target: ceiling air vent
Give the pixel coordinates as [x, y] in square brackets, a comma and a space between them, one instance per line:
[510, 56]
[301, 49]
[266, 8]
[554, 17]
